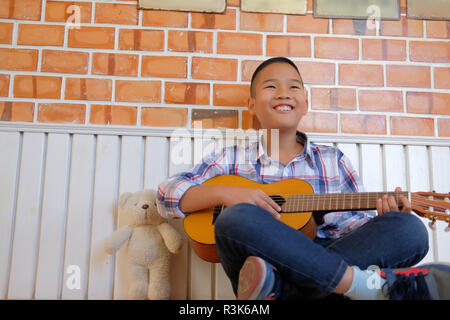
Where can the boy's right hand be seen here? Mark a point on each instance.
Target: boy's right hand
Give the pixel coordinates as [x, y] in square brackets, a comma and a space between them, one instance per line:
[234, 195]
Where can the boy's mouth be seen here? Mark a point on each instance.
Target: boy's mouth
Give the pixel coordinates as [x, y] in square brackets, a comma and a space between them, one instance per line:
[283, 108]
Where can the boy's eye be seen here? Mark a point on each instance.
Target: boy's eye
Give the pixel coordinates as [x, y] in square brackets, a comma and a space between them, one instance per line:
[270, 86]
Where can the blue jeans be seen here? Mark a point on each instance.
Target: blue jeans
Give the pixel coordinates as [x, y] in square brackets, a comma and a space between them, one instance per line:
[313, 268]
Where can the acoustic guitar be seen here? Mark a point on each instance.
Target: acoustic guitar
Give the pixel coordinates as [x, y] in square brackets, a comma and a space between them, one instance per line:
[298, 202]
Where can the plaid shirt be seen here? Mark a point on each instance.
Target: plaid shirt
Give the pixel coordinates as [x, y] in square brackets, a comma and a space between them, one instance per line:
[325, 168]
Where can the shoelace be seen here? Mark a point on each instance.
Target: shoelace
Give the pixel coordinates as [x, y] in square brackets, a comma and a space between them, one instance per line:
[409, 287]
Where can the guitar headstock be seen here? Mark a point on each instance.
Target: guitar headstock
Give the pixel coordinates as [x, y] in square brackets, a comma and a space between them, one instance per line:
[432, 205]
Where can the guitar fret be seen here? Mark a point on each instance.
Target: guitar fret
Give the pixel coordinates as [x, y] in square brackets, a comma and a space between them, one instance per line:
[359, 200]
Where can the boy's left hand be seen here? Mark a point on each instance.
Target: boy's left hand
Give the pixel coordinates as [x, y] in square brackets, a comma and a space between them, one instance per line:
[387, 204]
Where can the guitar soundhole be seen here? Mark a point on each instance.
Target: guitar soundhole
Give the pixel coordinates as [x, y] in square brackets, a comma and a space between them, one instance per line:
[218, 209]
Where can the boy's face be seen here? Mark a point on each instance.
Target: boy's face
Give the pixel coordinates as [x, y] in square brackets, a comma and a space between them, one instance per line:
[279, 99]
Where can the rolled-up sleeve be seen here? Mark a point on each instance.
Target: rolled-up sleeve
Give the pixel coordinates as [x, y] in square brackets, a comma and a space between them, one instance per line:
[172, 190]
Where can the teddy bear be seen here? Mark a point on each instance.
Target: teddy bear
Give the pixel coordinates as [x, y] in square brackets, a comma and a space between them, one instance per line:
[151, 240]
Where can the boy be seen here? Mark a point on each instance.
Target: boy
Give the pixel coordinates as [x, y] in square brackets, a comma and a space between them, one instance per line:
[267, 259]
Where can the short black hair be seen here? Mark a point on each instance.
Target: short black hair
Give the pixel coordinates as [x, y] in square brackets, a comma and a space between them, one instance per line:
[267, 63]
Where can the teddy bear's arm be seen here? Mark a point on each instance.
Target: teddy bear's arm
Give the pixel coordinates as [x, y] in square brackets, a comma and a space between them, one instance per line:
[117, 239]
[171, 237]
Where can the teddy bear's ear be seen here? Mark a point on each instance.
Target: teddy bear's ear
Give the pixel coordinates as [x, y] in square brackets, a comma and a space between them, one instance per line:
[123, 198]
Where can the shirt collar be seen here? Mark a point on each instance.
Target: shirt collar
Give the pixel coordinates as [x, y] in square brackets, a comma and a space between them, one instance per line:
[301, 138]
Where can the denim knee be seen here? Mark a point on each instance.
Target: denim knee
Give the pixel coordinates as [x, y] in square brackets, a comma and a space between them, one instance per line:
[413, 230]
[238, 216]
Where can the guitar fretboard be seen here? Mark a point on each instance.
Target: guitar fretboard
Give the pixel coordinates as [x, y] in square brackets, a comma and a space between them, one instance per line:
[336, 201]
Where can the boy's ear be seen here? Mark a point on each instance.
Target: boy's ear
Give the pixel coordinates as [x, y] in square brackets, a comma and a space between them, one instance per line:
[251, 105]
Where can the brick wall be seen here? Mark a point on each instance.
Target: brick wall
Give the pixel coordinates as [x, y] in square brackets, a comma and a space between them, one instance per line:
[146, 68]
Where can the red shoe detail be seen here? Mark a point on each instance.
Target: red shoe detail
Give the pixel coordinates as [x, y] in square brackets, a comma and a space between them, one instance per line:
[414, 271]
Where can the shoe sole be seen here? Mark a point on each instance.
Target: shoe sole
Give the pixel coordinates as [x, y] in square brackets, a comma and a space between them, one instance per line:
[251, 278]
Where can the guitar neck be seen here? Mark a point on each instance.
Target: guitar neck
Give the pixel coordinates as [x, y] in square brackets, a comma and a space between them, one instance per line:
[336, 201]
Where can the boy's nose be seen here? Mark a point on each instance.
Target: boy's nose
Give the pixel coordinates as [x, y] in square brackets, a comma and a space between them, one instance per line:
[283, 94]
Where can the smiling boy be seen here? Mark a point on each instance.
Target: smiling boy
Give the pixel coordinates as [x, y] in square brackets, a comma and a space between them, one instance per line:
[267, 259]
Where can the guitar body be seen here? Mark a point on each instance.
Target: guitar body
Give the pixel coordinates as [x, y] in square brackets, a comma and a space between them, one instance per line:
[199, 225]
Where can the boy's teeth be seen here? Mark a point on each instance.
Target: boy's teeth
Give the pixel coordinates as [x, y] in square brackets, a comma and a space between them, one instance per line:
[283, 108]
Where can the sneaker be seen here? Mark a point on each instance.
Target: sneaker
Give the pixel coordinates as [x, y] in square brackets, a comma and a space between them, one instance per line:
[258, 280]
[426, 282]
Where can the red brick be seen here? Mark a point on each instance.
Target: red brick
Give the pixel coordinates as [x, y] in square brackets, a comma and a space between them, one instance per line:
[317, 72]
[307, 24]
[438, 29]
[336, 48]
[137, 39]
[380, 100]
[40, 35]
[4, 85]
[384, 49]
[21, 10]
[363, 124]
[231, 95]
[115, 64]
[92, 37]
[226, 20]
[249, 121]
[442, 78]
[157, 18]
[409, 126]
[62, 11]
[426, 51]
[88, 89]
[138, 91]
[352, 27]
[16, 111]
[168, 67]
[6, 30]
[190, 41]
[61, 113]
[65, 61]
[444, 127]
[248, 67]
[186, 93]
[239, 43]
[403, 28]
[319, 122]
[164, 117]
[428, 102]
[408, 76]
[115, 115]
[18, 59]
[361, 75]
[214, 68]
[116, 13]
[333, 99]
[40, 87]
[269, 22]
[220, 119]
[290, 46]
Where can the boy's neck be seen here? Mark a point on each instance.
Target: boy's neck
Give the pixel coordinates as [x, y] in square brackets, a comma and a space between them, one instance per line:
[282, 144]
